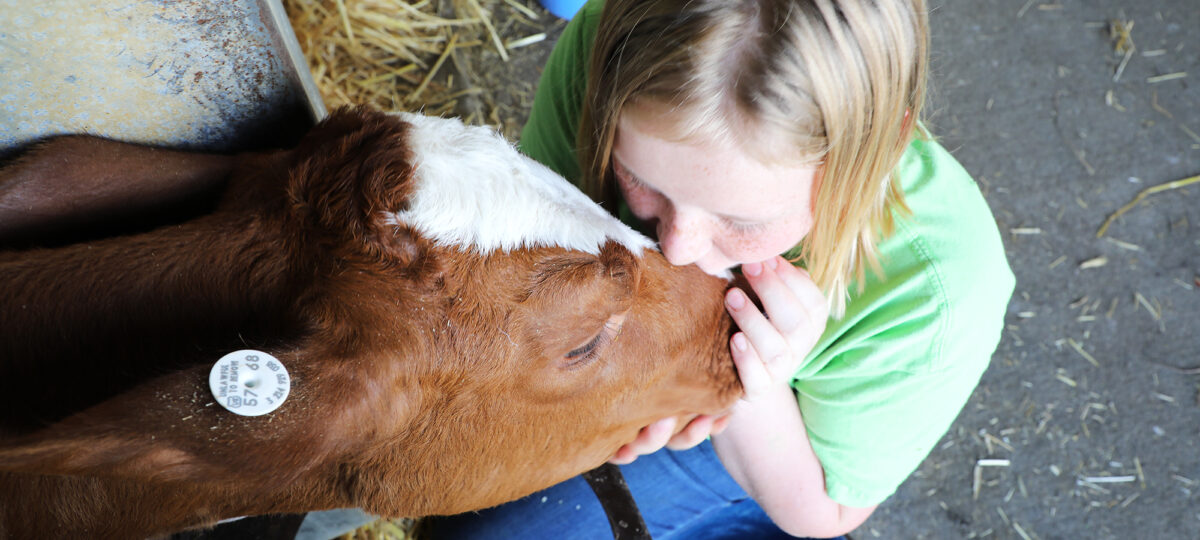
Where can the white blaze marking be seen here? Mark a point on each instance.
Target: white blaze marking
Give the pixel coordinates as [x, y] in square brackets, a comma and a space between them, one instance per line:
[474, 190]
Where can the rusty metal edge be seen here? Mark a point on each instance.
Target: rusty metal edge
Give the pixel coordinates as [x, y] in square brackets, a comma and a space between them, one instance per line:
[295, 58]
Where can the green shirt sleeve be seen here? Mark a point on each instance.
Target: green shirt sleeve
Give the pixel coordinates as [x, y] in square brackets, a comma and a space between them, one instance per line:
[549, 135]
[885, 382]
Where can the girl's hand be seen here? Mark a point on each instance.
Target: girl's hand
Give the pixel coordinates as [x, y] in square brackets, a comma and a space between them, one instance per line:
[662, 433]
[795, 317]
[769, 348]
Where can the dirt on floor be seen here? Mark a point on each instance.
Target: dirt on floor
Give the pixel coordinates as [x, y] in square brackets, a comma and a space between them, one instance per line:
[1087, 424]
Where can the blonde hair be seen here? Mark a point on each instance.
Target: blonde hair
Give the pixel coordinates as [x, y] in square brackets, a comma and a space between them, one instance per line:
[838, 83]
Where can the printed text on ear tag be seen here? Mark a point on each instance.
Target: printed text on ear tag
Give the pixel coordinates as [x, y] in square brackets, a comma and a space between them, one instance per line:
[249, 382]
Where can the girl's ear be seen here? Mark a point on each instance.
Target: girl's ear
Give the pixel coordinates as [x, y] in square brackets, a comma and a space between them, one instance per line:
[907, 125]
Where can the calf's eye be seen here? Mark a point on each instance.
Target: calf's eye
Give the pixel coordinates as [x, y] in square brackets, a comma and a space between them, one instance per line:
[588, 351]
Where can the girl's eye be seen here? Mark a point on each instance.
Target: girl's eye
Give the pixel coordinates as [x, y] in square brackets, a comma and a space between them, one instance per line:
[625, 176]
[743, 227]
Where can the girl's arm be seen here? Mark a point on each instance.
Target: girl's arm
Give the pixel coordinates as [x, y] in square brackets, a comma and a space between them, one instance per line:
[765, 448]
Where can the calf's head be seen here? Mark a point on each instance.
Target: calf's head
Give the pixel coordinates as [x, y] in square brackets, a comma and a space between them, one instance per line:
[549, 332]
[471, 329]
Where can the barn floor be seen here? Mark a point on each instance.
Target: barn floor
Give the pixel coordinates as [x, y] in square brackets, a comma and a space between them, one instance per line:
[1087, 424]
[1093, 397]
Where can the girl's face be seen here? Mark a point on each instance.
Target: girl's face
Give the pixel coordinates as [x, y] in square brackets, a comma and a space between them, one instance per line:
[712, 204]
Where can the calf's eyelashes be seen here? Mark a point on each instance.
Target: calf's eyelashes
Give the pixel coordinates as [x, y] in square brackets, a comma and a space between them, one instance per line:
[576, 303]
[588, 350]
[595, 347]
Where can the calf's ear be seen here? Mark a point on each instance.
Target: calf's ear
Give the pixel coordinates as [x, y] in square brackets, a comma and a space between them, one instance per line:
[347, 179]
[168, 430]
[103, 455]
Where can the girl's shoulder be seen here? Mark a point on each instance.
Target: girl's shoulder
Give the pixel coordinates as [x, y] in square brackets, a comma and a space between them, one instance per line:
[945, 283]
[953, 234]
[550, 132]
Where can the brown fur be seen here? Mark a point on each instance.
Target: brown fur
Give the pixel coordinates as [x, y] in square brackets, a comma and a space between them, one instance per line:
[426, 380]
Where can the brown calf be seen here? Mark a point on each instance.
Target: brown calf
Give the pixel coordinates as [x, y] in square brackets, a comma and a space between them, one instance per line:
[434, 370]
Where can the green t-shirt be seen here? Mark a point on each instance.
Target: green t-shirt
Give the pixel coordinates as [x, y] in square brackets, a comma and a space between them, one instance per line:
[885, 381]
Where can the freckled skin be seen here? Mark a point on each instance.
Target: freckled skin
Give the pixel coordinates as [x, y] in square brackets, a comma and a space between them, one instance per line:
[712, 204]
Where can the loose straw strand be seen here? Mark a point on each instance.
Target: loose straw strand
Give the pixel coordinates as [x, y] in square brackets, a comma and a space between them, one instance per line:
[1146, 193]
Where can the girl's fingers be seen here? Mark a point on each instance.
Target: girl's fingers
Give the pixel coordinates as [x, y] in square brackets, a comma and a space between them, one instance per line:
[756, 380]
[761, 335]
[695, 433]
[804, 289]
[780, 302]
[649, 439]
[793, 317]
[654, 436]
[624, 456]
[720, 424]
[659, 434]
[790, 298]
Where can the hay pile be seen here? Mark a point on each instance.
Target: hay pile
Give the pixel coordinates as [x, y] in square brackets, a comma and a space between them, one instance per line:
[477, 59]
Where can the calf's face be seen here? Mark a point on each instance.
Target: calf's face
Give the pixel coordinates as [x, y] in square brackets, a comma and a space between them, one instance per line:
[566, 359]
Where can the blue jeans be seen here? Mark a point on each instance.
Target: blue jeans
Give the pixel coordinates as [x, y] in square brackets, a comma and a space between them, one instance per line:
[684, 495]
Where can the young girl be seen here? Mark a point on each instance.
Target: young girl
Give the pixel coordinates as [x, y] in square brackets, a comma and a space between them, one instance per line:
[737, 131]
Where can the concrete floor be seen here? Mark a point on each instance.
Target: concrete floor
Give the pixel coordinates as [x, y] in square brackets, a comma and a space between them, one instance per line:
[1024, 96]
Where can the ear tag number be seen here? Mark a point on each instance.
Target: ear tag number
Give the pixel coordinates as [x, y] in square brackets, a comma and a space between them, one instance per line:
[249, 382]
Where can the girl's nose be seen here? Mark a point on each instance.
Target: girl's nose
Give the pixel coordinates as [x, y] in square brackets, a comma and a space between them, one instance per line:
[683, 237]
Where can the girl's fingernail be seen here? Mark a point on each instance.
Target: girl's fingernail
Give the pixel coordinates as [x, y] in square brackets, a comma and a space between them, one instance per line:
[773, 262]
[736, 299]
[752, 269]
[739, 341]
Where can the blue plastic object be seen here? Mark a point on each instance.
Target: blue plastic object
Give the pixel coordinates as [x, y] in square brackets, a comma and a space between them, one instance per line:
[563, 9]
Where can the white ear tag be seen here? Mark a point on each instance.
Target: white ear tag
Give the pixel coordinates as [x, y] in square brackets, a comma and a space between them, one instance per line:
[249, 382]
